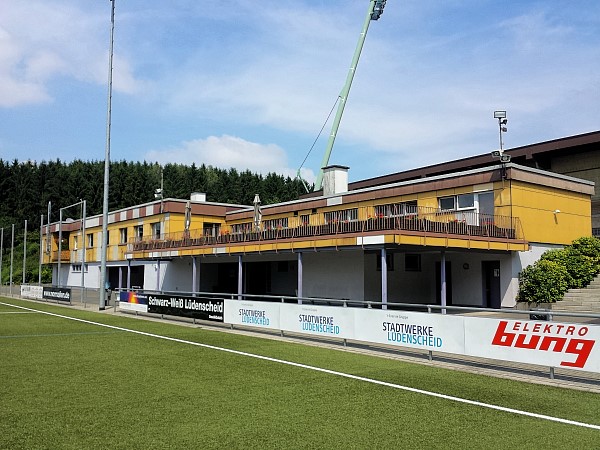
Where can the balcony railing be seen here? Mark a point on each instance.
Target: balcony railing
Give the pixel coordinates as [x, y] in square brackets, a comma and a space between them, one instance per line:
[424, 220]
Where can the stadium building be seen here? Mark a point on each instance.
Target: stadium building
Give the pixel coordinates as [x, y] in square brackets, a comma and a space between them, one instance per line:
[457, 233]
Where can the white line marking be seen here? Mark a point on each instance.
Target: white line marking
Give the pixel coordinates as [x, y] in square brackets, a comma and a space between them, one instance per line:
[330, 372]
[18, 312]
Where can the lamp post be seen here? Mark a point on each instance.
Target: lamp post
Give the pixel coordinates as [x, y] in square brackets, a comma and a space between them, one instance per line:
[24, 250]
[102, 289]
[502, 121]
[1, 252]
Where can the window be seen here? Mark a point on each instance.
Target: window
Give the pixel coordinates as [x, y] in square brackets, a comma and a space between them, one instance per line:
[447, 203]
[240, 228]
[466, 201]
[275, 224]
[412, 262]
[75, 241]
[123, 235]
[90, 240]
[138, 230]
[345, 215]
[156, 230]
[396, 209]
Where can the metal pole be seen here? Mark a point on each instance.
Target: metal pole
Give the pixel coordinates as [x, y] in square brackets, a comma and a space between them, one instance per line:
[41, 251]
[12, 247]
[384, 291]
[83, 247]
[24, 251]
[344, 96]
[59, 244]
[1, 253]
[102, 305]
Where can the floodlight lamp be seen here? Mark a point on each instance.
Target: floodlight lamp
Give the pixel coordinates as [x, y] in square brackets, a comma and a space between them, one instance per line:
[505, 158]
[504, 129]
[499, 114]
[378, 9]
[496, 154]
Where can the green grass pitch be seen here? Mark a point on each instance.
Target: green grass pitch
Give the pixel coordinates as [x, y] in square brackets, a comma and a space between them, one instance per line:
[73, 385]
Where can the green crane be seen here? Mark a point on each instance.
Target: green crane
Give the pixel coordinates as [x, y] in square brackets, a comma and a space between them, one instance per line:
[374, 12]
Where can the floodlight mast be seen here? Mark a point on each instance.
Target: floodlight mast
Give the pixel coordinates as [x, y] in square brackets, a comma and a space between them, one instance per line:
[374, 12]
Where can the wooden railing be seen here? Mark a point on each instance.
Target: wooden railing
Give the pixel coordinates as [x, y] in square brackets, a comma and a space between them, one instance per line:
[424, 220]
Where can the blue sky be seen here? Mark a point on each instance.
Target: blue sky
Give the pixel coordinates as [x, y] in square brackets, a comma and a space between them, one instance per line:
[249, 84]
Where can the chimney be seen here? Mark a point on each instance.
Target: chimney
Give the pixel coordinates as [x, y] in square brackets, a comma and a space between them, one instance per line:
[335, 180]
[198, 197]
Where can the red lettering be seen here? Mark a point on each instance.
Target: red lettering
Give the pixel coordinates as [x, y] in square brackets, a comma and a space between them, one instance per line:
[516, 326]
[558, 328]
[501, 337]
[533, 342]
[580, 347]
[525, 326]
[536, 327]
[583, 331]
[547, 329]
[570, 330]
[559, 343]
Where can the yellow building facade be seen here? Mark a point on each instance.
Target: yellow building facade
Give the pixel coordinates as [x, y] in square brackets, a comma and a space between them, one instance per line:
[483, 226]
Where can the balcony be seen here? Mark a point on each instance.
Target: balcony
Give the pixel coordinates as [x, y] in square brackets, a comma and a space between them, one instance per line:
[65, 256]
[427, 221]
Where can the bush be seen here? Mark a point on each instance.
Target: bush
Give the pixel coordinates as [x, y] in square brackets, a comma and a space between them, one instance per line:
[588, 246]
[543, 282]
[581, 268]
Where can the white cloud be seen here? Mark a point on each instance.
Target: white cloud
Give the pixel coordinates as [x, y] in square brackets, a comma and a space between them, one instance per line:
[41, 41]
[230, 152]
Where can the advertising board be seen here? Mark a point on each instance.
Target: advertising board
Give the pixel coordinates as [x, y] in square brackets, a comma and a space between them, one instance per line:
[56, 293]
[195, 307]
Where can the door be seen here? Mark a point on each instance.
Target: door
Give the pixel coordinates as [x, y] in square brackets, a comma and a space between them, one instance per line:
[490, 274]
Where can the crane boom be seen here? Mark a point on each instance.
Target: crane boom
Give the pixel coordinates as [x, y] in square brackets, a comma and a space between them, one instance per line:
[374, 12]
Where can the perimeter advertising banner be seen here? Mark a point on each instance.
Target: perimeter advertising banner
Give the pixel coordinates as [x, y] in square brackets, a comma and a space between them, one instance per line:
[196, 307]
[34, 292]
[133, 301]
[553, 344]
[442, 333]
[253, 314]
[55, 293]
[324, 321]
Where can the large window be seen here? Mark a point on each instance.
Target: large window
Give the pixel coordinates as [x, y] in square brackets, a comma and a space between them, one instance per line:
[275, 224]
[90, 240]
[459, 202]
[138, 230]
[156, 230]
[345, 215]
[123, 235]
[396, 209]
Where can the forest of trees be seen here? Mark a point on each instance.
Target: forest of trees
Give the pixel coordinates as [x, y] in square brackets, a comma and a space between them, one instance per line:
[27, 187]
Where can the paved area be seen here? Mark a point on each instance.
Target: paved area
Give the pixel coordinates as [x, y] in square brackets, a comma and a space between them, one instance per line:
[563, 378]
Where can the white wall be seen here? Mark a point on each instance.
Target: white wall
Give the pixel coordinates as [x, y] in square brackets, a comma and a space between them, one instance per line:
[334, 274]
[518, 262]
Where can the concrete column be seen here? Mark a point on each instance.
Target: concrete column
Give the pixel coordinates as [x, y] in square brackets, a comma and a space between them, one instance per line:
[195, 274]
[128, 274]
[443, 280]
[158, 275]
[384, 278]
[300, 278]
[240, 277]
[120, 277]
